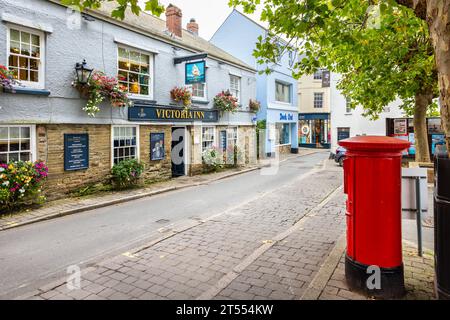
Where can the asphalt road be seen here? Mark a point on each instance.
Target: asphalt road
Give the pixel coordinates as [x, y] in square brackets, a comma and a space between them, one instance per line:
[36, 254]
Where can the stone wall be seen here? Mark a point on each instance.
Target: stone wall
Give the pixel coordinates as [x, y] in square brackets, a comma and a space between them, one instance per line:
[160, 169]
[284, 149]
[50, 148]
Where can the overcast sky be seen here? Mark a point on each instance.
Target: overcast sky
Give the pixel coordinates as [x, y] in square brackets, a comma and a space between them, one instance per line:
[209, 14]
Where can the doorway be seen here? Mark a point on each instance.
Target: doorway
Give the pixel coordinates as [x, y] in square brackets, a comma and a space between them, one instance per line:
[178, 151]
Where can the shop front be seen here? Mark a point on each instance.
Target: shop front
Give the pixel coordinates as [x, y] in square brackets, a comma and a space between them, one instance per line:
[281, 132]
[403, 128]
[314, 130]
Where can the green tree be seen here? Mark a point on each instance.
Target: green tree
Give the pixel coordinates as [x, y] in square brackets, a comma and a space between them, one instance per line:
[382, 51]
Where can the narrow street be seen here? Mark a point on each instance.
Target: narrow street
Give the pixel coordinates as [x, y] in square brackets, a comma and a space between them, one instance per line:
[33, 255]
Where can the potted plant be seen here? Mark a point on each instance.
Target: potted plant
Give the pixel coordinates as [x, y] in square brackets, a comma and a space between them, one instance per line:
[226, 102]
[7, 80]
[254, 105]
[181, 94]
[99, 88]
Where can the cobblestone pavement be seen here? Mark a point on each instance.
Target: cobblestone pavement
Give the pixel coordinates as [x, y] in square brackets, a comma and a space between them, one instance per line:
[69, 205]
[419, 277]
[269, 247]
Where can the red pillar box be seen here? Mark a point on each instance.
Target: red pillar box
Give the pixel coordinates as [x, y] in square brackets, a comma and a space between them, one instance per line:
[372, 182]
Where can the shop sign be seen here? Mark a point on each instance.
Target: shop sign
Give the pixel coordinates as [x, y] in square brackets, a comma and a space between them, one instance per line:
[325, 79]
[76, 151]
[157, 147]
[154, 113]
[286, 116]
[195, 72]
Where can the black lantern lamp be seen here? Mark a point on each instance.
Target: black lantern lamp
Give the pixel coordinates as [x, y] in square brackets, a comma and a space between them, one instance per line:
[83, 73]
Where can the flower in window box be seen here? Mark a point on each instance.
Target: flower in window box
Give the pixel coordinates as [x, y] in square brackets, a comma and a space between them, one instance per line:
[226, 102]
[181, 94]
[7, 80]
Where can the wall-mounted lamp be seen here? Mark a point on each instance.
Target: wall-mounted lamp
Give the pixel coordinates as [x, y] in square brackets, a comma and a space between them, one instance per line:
[83, 73]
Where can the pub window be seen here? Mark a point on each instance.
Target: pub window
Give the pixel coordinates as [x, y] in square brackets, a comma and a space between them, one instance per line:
[198, 91]
[235, 87]
[318, 100]
[26, 56]
[15, 143]
[134, 71]
[125, 144]
[207, 138]
[282, 92]
[232, 136]
[284, 133]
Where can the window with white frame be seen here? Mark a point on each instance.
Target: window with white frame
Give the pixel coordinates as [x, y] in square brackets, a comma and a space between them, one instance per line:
[16, 143]
[282, 92]
[134, 71]
[318, 74]
[26, 56]
[318, 100]
[235, 86]
[198, 91]
[232, 133]
[348, 108]
[208, 134]
[125, 143]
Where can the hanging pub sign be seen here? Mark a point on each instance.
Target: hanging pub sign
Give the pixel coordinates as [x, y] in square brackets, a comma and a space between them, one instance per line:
[195, 72]
[76, 151]
[157, 148]
[325, 78]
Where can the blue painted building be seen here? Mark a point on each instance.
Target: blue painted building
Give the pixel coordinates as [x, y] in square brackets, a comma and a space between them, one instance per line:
[277, 91]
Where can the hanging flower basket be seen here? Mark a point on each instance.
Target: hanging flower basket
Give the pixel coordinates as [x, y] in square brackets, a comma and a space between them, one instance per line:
[254, 105]
[99, 88]
[225, 102]
[181, 95]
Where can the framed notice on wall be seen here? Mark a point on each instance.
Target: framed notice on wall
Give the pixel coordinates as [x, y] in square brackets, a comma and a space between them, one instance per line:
[157, 147]
[400, 127]
[76, 151]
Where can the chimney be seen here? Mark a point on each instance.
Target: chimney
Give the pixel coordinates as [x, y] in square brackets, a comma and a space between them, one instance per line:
[173, 20]
[192, 27]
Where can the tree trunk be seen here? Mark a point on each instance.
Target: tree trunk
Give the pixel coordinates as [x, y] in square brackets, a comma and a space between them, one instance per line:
[438, 18]
[423, 101]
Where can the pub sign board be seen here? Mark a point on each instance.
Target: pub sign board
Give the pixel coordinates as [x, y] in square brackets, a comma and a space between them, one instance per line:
[157, 147]
[326, 79]
[195, 72]
[171, 114]
[76, 151]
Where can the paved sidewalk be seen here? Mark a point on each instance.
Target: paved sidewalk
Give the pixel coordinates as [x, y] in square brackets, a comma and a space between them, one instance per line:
[67, 206]
[270, 248]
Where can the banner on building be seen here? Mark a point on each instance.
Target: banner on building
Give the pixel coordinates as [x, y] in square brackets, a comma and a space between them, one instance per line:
[326, 79]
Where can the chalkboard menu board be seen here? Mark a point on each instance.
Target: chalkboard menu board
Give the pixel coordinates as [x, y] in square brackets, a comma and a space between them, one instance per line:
[223, 140]
[76, 151]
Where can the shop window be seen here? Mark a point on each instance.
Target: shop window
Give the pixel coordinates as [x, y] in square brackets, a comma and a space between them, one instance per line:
[134, 68]
[314, 131]
[284, 133]
[318, 100]
[208, 134]
[125, 143]
[232, 136]
[15, 143]
[26, 56]
[282, 92]
[235, 87]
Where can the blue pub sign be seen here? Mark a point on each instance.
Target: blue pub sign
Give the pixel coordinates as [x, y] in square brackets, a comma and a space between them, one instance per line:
[195, 72]
[76, 151]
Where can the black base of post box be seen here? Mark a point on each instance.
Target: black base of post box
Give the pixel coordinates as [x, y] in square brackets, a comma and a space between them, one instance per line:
[392, 285]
